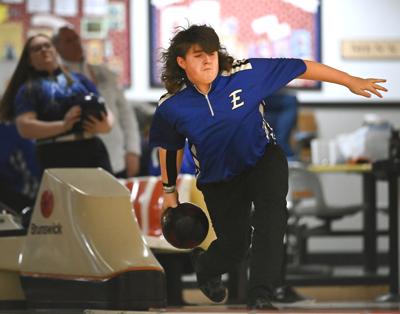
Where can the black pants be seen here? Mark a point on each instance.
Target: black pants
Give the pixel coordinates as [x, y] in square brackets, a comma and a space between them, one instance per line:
[88, 153]
[229, 204]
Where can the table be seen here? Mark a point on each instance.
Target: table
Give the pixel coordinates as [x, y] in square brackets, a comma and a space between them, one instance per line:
[390, 171]
[369, 200]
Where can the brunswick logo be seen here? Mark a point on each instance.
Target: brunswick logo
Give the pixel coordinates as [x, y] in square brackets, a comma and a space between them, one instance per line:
[55, 228]
[46, 208]
[47, 203]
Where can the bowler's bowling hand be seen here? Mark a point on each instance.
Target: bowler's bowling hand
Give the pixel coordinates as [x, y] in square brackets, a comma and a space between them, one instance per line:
[170, 200]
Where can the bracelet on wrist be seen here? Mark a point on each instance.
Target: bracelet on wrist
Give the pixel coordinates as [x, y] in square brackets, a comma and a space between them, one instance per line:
[169, 188]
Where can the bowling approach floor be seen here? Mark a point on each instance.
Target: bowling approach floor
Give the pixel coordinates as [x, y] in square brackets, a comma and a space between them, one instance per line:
[300, 308]
[303, 307]
[340, 299]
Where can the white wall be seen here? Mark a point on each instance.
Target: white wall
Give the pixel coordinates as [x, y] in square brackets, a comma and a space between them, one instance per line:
[357, 19]
[141, 90]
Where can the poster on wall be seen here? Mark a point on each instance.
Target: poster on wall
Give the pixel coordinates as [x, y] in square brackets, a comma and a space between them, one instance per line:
[94, 27]
[42, 6]
[10, 49]
[3, 13]
[95, 7]
[10, 42]
[269, 29]
[66, 8]
[95, 51]
[116, 16]
[105, 32]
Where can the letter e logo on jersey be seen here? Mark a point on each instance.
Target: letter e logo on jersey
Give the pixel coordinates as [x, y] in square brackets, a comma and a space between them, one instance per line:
[235, 99]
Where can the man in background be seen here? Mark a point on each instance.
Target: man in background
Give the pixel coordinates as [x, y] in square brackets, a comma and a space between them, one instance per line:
[123, 142]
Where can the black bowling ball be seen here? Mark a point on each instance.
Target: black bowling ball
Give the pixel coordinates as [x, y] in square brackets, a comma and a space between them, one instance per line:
[184, 226]
[92, 105]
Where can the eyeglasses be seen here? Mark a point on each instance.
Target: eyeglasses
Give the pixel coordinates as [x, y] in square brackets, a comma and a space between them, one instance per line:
[39, 47]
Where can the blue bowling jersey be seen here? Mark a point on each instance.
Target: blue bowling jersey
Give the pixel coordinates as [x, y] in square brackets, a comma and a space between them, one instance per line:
[226, 128]
[50, 96]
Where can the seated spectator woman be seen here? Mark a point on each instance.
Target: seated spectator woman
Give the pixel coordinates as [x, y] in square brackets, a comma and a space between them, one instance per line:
[46, 102]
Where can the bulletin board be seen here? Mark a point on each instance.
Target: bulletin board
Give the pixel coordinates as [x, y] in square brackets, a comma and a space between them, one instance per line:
[269, 29]
[103, 25]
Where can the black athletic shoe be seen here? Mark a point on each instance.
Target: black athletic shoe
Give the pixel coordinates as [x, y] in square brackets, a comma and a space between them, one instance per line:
[212, 288]
[261, 303]
[286, 294]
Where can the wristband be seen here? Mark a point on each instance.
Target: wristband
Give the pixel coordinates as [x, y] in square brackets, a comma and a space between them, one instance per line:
[169, 188]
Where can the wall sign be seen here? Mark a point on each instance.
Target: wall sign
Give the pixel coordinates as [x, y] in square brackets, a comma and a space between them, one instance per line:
[371, 49]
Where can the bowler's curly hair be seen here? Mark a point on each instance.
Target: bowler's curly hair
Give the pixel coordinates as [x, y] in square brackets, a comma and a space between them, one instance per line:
[173, 76]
